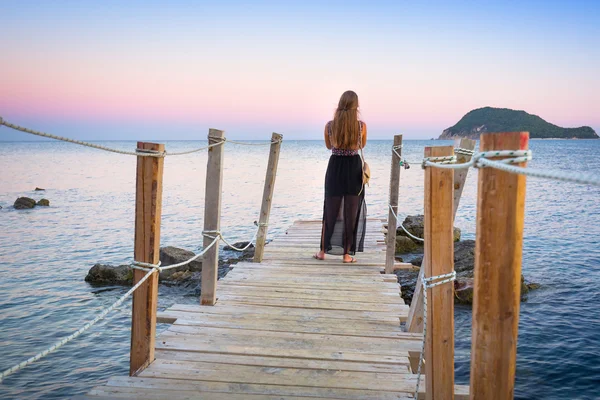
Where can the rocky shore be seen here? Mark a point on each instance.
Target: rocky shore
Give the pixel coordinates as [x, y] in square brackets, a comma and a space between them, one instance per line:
[410, 250]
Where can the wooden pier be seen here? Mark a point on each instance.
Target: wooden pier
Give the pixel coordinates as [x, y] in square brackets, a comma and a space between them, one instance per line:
[290, 327]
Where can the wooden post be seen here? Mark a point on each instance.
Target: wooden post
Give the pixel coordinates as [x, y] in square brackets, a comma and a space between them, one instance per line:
[414, 322]
[148, 207]
[265, 208]
[212, 217]
[439, 257]
[497, 290]
[390, 250]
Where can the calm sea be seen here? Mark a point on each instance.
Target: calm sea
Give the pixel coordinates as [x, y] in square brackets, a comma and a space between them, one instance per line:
[46, 252]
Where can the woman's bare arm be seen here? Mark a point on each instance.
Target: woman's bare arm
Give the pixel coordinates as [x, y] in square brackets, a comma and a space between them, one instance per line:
[327, 138]
[364, 134]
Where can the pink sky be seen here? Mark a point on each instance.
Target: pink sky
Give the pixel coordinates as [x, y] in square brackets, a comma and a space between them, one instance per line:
[417, 85]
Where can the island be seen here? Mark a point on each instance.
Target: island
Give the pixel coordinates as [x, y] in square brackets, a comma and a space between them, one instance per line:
[490, 119]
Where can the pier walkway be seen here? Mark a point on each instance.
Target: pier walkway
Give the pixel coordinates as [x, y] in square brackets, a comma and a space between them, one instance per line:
[290, 327]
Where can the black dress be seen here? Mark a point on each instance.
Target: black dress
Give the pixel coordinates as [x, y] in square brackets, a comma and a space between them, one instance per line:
[344, 209]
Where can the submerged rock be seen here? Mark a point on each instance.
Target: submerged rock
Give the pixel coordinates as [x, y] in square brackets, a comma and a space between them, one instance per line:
[239, 245]
[43, 202]
[24, 203]
[415, 225]
[173, 255]
[463, 291]
[464, 265]
[108, 274]
[405, 245]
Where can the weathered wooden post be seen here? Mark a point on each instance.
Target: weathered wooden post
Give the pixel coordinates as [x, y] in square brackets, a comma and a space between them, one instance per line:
[439, 260]
[212, 217]
[497, 288]
[414, 323]
[265, 208]
[390, 250]
[148, 208]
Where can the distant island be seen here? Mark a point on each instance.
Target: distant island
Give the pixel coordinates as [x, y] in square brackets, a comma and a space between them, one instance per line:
[490, 119]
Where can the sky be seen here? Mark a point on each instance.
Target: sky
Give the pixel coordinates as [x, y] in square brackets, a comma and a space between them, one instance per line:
[156, 70]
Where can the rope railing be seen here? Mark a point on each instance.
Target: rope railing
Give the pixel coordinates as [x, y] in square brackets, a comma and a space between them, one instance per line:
[482, 160]
[146, 153]
[143, 153]
[149, 268]
[78, 332]
[402, 225]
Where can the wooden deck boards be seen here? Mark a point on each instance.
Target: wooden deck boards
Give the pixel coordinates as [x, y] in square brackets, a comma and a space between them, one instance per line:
[289, 328]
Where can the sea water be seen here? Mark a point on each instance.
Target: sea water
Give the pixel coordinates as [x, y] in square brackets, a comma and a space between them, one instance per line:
[46, 252]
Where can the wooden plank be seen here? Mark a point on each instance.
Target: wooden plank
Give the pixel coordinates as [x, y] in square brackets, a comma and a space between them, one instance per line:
[403, 383]
[415, 315]
[280, 362]
[212, 216]
[340, 279]
[265, 208]
[148, 207]
[283, 391]
[299, 325]
[296, 320]
[497, 286]
[313, 294]
[310, 269]
[289, 340]
[390, 253]
[102, 393]
[278, 311]
[393, 309]
[439, 256]
[359, 280]
[361, 287]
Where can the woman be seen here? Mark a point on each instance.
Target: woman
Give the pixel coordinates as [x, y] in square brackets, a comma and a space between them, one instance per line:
[344, 212]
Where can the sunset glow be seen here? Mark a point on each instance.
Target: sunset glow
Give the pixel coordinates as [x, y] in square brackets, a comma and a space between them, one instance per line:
[89, 68]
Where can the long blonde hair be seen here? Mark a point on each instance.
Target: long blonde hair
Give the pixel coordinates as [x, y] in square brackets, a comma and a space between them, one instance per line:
[345, 129]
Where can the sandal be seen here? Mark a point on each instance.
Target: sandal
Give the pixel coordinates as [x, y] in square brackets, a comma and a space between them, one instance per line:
[316, 257]
[352, 261]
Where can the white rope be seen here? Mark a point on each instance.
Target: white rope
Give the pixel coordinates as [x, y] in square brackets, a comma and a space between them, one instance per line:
[217, 235]
[255, 144]
[143, 153]
[481, 160]
[147, 266]
[429, 283]
[182, 153]
[573, 177]
[465, 152]
[72, 336]
[402, 226]
[515, 157]
[403, 162]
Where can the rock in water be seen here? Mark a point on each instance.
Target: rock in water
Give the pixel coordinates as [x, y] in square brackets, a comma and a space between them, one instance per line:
[464, 258]
[456, 234]
[239, 245]
[23, 203]
[463, 291]
[44, 202]
[173, 255]
[108, 274]
[405, 245]
[415, 224]
[464, 265]
[37, 189]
